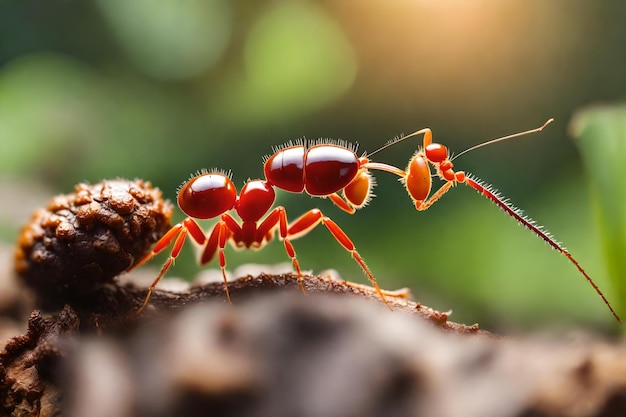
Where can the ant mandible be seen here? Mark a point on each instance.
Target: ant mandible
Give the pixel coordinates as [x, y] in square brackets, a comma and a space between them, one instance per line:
[324, 169]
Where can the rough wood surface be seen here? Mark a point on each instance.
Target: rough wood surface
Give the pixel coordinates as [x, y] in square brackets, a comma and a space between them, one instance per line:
[275, 352]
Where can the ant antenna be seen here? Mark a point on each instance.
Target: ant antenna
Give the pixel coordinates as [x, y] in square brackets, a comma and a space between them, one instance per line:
[502, 139]
[480, 145]
[395, 140]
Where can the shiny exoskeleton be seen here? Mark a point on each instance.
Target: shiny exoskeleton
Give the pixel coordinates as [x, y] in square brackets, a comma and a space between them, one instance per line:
[331, 170]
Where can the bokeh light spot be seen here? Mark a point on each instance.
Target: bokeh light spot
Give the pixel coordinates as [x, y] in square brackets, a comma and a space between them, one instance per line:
[170, 39]
[297, 59]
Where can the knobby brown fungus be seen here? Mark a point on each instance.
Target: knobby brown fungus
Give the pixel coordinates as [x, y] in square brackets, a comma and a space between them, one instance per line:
[84, 239]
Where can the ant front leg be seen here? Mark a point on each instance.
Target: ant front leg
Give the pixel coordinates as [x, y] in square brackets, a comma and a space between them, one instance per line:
[177, 234]
[307, 222]
[216, 242]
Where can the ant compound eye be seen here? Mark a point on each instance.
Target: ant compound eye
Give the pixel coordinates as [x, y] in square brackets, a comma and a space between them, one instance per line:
[436, 152]
[207, 196]
[84, 239]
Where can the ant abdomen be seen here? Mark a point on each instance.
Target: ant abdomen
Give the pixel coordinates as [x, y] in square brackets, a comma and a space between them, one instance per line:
[319, 170]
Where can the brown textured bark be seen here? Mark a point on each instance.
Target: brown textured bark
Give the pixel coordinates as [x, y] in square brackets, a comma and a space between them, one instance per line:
[338, 351]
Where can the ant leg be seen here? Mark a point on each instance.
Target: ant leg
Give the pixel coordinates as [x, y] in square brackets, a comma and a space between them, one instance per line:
[341, 203]
[161, 244]
[177, 234]
[216, 243]
[210, 249]
[189, 224]
[309, 220]
[278, 217]
[423, 205]
[404, 293]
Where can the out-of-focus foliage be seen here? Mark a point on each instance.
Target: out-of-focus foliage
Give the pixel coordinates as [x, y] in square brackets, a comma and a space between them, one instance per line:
[157, 90]
[172, 39]
[600, 133]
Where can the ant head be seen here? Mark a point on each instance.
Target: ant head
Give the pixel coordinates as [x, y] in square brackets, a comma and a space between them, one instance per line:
[207, 195]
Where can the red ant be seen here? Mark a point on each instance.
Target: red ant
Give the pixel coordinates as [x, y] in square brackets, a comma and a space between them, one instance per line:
[322, 170]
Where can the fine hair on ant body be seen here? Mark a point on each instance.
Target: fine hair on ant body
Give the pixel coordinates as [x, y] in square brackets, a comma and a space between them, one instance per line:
[321, 169]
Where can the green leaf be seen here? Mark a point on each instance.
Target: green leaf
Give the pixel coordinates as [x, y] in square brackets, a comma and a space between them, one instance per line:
[600, 134]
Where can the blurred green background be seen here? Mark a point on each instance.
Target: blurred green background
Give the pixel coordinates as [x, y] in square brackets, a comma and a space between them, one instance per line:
[157, 90]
